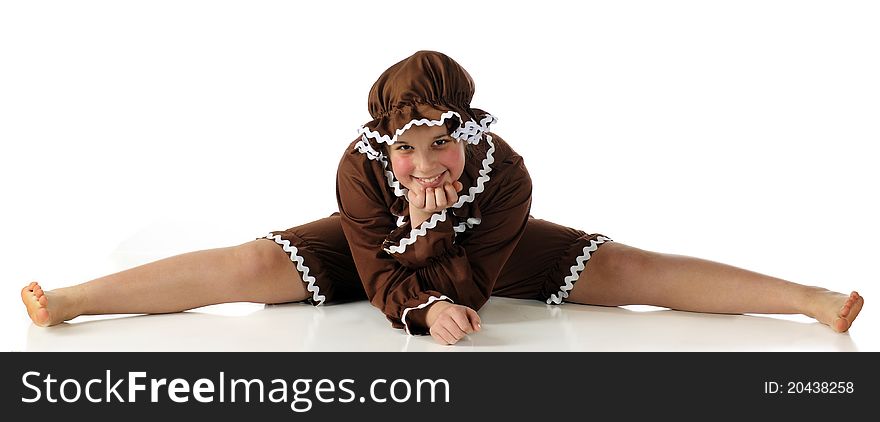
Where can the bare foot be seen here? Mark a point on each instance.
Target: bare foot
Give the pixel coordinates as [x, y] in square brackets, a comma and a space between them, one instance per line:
[43, 311]
[838, 311]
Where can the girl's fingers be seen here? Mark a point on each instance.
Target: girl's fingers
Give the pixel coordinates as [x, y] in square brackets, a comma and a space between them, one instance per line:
[448, 329]
[474, 319]
[451, 193]
[462, 322]
[430, 200]
[435, 199]
[454, 329]
[444, 335]
[437, 337]
[440, 198]
[415, 198]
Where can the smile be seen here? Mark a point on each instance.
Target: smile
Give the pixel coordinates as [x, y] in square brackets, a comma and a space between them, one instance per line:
[430, 181]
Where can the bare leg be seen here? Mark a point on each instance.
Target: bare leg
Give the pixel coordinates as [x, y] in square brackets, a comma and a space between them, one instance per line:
[617, 274]
[257, 271]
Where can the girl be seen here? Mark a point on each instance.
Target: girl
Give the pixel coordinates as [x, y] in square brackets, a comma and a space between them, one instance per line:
[433, 219]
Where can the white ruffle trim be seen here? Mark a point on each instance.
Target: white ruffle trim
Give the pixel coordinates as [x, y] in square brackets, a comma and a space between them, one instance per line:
[294, 256]
[482, 179]
[472, 131]
[468, 224]
[431, 300]
[576, 270]
[469, 130]
[416, 232]
[430, 224]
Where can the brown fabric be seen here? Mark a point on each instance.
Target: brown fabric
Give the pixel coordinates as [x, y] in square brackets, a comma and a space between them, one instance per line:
[324, 252]
[535, 270]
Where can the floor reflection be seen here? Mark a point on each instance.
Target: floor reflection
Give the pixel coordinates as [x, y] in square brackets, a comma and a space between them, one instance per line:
[508, 325]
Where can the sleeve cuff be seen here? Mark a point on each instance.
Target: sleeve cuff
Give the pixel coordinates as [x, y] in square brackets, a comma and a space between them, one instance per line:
[414, 318]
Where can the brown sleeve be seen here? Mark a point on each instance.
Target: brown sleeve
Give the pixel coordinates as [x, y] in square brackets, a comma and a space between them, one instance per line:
[404, 285]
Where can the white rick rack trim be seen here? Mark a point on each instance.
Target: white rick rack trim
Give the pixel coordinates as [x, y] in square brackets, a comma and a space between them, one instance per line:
[431, 300]
[576, 270]
[294, 256]
[469, 224]
[460, 228]
[469, 130]
[420, 231]
[482, 179]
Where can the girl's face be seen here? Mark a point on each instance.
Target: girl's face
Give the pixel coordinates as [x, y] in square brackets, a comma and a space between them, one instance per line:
[425, 157]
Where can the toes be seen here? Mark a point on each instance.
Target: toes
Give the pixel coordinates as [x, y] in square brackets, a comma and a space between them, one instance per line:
[848, 313]
[856, 308]
[27, 294]
[854, 296]
[848, 305]
[37, 304]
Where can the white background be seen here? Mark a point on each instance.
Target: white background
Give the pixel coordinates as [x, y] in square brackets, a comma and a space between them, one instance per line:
[743, 131]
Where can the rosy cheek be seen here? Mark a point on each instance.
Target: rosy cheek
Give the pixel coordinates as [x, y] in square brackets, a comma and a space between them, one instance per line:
[402, 168]
[454, 162]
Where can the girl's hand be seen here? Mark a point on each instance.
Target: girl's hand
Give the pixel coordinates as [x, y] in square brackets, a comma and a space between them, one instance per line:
[449, 323]
[422, 204]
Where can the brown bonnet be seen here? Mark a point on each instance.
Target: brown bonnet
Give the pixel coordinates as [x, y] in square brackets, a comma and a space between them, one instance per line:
[427, 88]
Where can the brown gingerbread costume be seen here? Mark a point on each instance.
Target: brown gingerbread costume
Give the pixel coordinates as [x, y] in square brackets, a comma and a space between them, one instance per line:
[484, 244]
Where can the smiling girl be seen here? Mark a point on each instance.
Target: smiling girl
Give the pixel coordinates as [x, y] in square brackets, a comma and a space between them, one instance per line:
[433, 220]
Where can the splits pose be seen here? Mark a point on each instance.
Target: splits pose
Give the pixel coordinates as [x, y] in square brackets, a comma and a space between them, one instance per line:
[433, 219]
